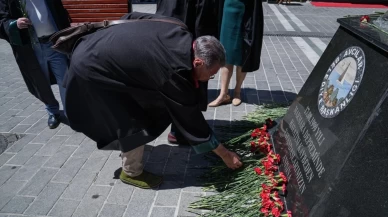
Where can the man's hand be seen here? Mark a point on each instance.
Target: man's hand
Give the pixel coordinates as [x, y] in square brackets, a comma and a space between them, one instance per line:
[231, 159]
[23, 23]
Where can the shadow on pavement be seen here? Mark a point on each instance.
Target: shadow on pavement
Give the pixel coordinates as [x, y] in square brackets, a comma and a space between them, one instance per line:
[256, 97]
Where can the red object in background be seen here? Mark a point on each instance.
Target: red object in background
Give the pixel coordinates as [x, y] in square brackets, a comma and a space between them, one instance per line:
[347, 5]
[364, 19]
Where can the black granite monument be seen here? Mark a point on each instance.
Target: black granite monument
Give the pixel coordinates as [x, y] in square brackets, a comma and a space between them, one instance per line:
[334, 138]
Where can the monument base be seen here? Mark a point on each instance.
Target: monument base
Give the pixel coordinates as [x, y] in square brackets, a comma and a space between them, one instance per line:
[333, 141]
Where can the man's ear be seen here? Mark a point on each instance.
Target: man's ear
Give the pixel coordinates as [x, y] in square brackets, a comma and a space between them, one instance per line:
[198, 62]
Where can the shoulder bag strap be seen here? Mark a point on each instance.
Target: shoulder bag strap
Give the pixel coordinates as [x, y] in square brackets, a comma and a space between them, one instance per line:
[107, 23]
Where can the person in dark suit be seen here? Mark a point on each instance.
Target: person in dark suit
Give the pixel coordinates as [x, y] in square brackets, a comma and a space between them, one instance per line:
[124, 93]
[27, 25]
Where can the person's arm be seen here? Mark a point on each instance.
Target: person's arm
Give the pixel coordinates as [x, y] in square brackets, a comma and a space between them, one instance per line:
[9, 28]
[180, 98]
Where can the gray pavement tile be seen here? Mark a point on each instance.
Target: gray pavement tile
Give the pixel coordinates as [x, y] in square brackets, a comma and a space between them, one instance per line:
[168, 194]
[10, 124]
[4, 100]
[64, 208]
[288, 86]
[85, 149]
[156, 168]
[46, 200]
[240, 115]
[93, 201]
[186, 199]
[79, 185]
[159, 154]
[163, 212]
[209, 115]
[44, 136]
[96, 161]
[106, 175]
[75, 139]
[33, 117]
[18, 204]
[60, 157]
[252, 99]
[20, 128]
[8, 115]
[20, 98]
[112, 210]
[223, 113]
[66, 131]
[38, 126]
[32, 166]
[69, 170]
[25, 154]
[26, 104]
[9, 190]
[5, 107]
[6, 173]
[250, 91]
[38, 182]
[52, 146]
[5, 157]
[140, 203]
[121, 193]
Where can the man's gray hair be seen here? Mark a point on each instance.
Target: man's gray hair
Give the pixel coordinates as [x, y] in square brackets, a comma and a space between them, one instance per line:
[210, 50]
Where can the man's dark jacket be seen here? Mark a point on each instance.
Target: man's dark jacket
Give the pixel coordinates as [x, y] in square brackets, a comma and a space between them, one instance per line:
[37, 82]
[128, 82]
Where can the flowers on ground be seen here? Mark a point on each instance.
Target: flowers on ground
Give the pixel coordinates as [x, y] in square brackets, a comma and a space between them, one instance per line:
[271, 203]
[254, 190]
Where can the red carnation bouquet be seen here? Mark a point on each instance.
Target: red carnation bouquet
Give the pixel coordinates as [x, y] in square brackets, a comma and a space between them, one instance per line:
[258, 188]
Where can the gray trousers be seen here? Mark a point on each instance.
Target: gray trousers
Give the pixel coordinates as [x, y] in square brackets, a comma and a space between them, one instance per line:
[133, 161]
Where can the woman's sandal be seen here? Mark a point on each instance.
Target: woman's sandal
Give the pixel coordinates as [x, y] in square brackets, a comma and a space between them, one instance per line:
[236, 100]
[216, 103]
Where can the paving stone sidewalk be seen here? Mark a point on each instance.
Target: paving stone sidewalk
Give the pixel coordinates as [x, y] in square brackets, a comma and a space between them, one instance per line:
[61, 173]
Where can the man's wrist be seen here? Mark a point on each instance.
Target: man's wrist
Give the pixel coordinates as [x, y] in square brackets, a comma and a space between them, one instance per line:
[221, 151]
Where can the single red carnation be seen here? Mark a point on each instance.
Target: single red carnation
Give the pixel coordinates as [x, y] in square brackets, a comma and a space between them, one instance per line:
[274, 182]
[283, 177]
[275, 212]
[264, 211]
[280, 205]
[258, 171]
[268, 204]
[266, 187]
[268, 172]
[265, 196]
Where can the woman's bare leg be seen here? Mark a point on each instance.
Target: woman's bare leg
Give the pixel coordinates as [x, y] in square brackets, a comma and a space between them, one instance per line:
[240, 76]
[226, 74]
